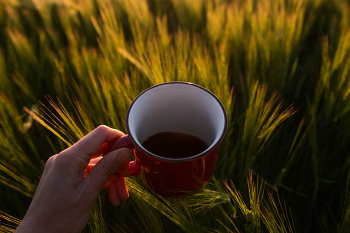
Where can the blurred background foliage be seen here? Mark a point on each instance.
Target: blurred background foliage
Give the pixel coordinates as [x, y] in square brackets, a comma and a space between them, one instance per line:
[281, 68]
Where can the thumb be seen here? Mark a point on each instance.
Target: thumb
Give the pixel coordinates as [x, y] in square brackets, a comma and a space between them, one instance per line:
[106, 167]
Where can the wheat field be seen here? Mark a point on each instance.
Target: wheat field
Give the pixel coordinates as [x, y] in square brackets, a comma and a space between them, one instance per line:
[281, 68]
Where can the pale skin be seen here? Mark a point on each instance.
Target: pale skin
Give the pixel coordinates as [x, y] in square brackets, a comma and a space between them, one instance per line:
[66, 193]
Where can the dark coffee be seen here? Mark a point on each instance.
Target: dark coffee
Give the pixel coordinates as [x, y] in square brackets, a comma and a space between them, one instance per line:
[174, 145]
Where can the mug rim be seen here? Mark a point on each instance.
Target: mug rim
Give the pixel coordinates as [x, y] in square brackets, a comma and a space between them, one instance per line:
[212, 146]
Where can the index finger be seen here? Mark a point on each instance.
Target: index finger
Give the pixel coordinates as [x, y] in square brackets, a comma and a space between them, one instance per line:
[93, 143]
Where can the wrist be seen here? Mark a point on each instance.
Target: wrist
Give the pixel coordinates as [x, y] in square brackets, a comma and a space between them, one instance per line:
[34, 224]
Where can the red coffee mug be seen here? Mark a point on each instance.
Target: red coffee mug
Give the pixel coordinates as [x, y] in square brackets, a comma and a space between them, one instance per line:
[173, 107]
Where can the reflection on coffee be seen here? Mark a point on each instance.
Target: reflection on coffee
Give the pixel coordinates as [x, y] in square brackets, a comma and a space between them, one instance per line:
[174, 145]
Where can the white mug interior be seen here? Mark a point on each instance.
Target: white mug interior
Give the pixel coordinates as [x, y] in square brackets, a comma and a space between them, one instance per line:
[177, 107]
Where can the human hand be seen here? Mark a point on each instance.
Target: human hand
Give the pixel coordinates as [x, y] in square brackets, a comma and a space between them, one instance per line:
[66, 193]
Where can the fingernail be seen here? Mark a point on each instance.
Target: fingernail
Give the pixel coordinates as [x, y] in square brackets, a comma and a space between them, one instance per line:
[124, 155]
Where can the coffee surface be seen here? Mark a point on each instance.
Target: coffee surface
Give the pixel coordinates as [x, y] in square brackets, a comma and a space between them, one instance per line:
[174, 145]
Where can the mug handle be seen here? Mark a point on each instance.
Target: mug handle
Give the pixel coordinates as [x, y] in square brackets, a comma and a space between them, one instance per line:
[124, 142]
